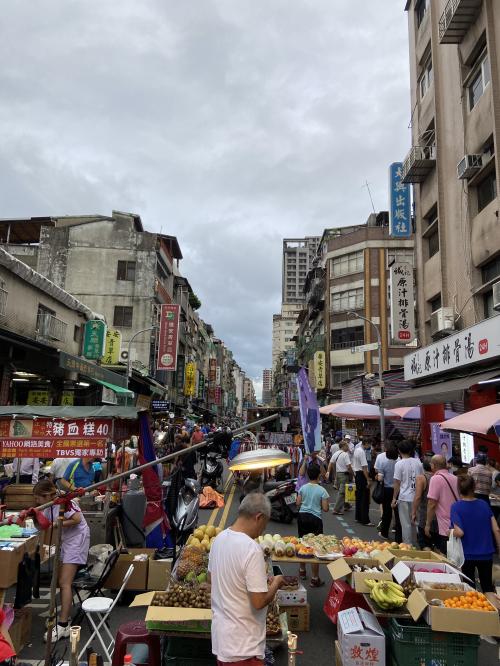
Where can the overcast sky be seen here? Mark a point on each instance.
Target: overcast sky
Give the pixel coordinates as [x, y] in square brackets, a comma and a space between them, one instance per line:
[228, 123]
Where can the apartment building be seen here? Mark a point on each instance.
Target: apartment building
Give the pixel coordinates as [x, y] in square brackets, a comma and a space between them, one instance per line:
[267, 386]
[298, 256]
[453, 162]
[284, 330]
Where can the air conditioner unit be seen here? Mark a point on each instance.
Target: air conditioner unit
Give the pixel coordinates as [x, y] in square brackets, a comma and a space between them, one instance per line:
[469, 166]
[442, 322]
[496, 296]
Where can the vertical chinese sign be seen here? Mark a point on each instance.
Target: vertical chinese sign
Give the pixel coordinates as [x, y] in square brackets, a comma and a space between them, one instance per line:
[402, 303]
[168, 337]
[190, 379]
[94, 339]
[113, 347]
[399, 204]
[319, 369]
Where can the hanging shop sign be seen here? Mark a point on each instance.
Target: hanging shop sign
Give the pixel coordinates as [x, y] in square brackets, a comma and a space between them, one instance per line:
[160, 405]
[38, 398]
[477, 343]
[201, 386]
[217, 375]
[91, 370]
[53, 438]
[190, 379]
[319, 369]
[212, 370]
[441, 441]
[399, 203]
[112, 348]
[68, 398]
[218, 395]
[312, 375]
[168, 337]
[94, 339]
[402, 303]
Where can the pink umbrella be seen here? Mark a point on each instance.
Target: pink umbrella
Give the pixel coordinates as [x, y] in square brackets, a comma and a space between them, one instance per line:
[478, 420]
[356, 410]
[414, 413]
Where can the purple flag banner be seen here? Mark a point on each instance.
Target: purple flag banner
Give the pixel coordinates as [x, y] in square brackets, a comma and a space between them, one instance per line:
[309, 413]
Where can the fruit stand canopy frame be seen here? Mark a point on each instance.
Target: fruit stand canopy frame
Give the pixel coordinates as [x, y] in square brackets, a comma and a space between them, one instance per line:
[71, 412]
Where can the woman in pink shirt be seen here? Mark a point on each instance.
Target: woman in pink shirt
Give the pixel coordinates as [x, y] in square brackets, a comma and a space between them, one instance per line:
[443, 492]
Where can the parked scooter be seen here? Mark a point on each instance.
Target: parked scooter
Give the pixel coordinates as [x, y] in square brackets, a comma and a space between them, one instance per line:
[283, 499]
[182, 505]
[211, 471]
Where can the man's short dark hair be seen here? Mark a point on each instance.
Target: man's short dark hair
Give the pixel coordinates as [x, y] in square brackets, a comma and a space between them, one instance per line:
[406, 446]
[313, 472]
[391, 451]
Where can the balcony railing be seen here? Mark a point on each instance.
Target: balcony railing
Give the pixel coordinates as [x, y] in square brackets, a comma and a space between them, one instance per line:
[352, 304]
[50, 327]
[347, 345]
[3, 302]
[419, 163]
[457, 18]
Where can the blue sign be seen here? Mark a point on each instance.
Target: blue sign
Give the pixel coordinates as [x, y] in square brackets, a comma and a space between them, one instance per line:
[399, 208]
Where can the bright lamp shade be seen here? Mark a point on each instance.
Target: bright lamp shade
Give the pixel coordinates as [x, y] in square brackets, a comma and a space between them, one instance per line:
[258, 459]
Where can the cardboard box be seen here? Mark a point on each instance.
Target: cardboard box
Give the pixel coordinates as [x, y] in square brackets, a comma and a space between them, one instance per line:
[165, 618]
[414, 555]
[20, 629]
[292, 597]
[159, 574]
[440, 572]
[340, 597]
[343, 568]
[10, 559]
[454, 620]
[298, 617]
[361, 638]
[139, 578]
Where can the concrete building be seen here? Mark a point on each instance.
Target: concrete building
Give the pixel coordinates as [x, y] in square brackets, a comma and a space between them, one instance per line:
[453, 162]
[284, 330]
[298, 255]
[249, 400]
[267, 386]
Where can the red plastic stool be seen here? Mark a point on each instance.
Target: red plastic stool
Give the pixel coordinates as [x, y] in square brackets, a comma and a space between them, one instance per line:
[135, 633]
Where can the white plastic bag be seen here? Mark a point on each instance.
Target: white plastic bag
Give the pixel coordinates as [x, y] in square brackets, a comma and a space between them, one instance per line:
[455, 551]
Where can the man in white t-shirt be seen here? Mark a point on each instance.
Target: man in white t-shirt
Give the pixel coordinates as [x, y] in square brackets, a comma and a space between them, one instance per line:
[406, 471]
[344, 473]
[240, 592]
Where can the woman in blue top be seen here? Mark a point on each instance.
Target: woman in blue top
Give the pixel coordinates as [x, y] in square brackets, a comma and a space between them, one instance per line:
[312, 499]
[473, 522]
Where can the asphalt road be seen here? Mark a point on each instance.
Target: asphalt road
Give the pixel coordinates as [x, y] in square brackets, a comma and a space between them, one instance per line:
[317, 644]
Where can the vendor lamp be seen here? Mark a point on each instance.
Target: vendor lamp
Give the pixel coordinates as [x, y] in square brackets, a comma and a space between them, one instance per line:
[259, 459]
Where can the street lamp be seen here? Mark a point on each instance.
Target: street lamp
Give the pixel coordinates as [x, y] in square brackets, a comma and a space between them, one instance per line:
[129, 361]
[380, 376]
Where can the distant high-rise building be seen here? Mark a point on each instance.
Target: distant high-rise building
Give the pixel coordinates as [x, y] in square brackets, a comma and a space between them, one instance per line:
[267, 385]
[298, 256]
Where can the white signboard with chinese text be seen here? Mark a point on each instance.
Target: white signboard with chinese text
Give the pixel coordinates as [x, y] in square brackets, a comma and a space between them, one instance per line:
[402, 303]
[466, 447]
[477, 343]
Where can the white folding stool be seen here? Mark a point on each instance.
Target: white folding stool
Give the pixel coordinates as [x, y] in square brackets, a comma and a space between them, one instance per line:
[102, 607]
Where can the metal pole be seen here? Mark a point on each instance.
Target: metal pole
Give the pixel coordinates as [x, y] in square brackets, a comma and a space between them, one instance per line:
[51, 621]
[129, 362]
[380, 374]
[159, 461]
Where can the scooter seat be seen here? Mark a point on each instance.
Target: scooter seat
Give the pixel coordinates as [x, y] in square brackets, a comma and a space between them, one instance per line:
[271, 485]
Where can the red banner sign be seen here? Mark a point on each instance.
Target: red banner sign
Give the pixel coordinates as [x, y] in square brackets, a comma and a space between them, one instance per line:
[212, 370]
[53, 438]
[168, 338]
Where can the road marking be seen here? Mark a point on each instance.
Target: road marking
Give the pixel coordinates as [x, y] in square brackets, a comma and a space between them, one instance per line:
[215, 512]
[229, 501]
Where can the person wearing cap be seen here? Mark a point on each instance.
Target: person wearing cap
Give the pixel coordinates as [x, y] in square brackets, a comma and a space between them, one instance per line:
[482, 476]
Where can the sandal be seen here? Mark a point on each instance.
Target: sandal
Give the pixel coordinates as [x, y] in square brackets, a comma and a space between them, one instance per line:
[302, 574]
[317, 582]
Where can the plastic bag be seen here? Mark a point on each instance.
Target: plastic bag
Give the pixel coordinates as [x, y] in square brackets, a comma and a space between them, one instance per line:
[350, 492]
[454, 550]
[378, 492]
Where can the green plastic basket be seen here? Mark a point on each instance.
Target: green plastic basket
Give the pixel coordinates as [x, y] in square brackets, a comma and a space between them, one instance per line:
[414, 644]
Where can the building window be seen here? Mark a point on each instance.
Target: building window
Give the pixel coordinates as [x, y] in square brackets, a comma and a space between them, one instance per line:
[433, 242]
[488, 305]
[431, 232]
[351, 299]
[491, 270]
[126, 271]
[348, 263]
[400, 256]
[435, 303]
[480, 80]
[486, 190]
[122, 317]
[421, 10]
[345, 338]
[77, 334]
[426, 78]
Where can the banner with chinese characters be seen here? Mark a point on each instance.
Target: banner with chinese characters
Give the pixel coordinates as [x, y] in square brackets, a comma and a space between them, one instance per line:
[218, 395]
[201, 386]
[309, 413]
[312, 375]
[402, 303]
[53, 438]
[113, 347]
[477, 343]
[190, 379]
[319, 369]
[441, 441]
[168, 337]
[38, 398]
[399, 204]
[94, 339]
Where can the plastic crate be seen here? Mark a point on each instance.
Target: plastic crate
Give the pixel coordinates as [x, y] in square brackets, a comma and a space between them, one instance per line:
[413, 644]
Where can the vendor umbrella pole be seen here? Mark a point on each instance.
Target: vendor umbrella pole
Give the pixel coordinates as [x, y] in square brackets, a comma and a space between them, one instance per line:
[51, 621]
[159, 461]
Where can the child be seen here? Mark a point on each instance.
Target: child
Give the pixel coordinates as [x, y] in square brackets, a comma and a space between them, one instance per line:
[312, 499]
[75, 543]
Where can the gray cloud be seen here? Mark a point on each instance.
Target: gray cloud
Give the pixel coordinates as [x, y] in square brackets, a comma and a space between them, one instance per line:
[229, 123]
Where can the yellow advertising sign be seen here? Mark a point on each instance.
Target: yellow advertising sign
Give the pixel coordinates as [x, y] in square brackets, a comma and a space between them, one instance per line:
[320, 369]
[38, 398]
[312, 376]
[68, 398]
[190, 378]
[112, 348]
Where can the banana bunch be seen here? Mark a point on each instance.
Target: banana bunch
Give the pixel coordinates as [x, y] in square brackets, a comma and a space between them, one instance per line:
[387, 594]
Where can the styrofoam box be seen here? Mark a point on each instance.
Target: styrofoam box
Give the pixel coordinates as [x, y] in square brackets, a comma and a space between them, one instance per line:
[292, 597]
